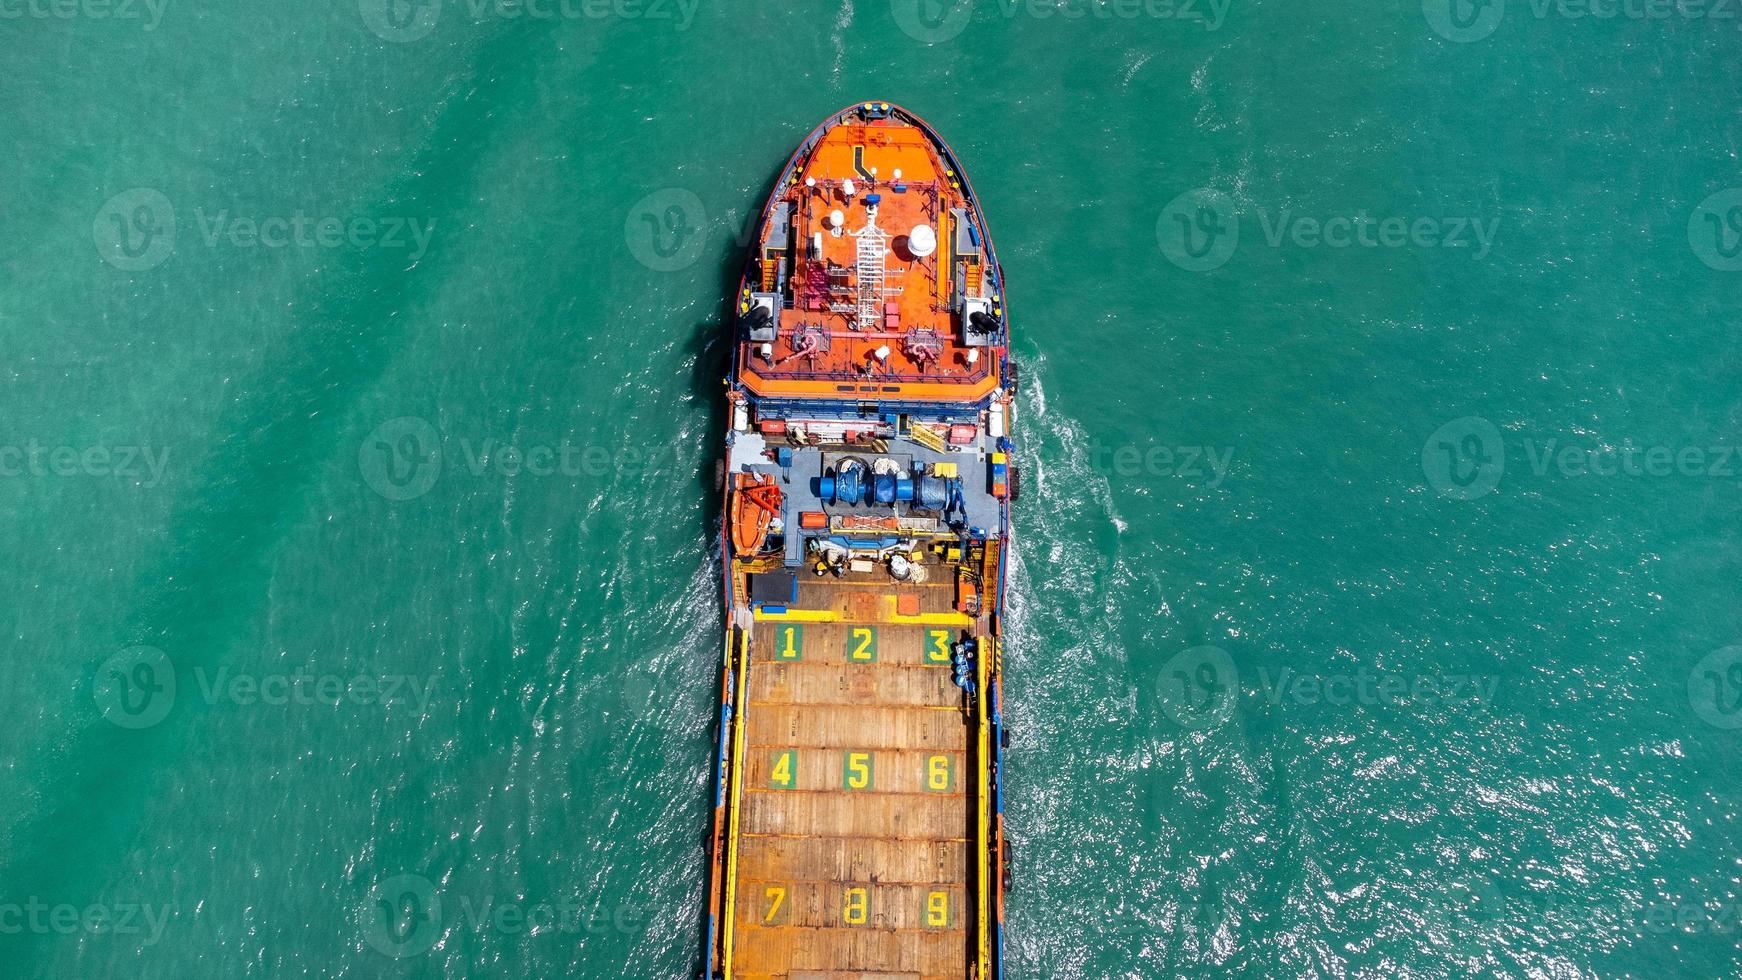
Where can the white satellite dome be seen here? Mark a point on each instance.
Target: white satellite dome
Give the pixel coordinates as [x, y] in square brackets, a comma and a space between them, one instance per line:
[922, 241]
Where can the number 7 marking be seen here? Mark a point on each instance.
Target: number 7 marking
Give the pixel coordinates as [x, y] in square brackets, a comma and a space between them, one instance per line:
[776, 895]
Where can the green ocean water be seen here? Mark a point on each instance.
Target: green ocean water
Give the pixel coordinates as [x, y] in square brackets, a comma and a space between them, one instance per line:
[1375, 607]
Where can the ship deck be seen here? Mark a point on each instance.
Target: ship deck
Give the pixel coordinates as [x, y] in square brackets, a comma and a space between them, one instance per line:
[857, 816]
[856, 831]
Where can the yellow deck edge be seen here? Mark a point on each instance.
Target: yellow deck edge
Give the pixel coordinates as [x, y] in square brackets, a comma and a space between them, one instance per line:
[735, 789]
[985, 844]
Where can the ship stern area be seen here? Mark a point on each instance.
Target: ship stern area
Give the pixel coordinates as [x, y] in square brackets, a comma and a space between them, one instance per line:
[860, 788]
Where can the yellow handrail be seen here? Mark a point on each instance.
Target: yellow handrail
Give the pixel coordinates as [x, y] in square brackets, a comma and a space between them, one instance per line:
[983, 838]
[741, 665]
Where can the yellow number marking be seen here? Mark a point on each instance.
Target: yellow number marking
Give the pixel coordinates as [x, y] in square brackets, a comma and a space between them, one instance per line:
[775, 895]
[787, 643]
[937, 909]
[857, 772]
[937, 646]
[862, 645]
[937, 773]
[857, 904]
[784, 773]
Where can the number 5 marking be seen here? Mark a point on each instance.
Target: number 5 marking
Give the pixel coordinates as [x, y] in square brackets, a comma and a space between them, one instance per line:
[856, 770]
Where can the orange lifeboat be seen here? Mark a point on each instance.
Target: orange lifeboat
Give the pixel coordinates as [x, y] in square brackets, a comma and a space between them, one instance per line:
[755, 503]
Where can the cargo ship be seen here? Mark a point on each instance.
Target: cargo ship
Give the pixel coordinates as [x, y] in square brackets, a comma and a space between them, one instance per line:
[868, 477]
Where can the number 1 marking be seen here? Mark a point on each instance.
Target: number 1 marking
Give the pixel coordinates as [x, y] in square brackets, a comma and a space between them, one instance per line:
[788, 642]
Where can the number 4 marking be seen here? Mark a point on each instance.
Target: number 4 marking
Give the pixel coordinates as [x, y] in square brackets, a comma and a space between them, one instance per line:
[784, 773]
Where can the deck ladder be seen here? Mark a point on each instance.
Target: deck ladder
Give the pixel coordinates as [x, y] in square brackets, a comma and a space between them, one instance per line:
[873, 246]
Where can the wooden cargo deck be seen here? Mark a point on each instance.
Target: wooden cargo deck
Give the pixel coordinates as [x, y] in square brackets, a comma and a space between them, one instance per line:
[857, 817]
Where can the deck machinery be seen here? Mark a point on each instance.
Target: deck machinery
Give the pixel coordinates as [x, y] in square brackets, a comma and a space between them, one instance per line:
[869, 473]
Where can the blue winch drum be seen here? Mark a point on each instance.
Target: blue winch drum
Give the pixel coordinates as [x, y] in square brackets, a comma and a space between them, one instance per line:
[931, 492]
[883, 488]
[847, 486]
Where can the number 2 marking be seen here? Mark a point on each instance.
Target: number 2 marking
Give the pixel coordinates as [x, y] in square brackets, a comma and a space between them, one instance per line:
[862, 644]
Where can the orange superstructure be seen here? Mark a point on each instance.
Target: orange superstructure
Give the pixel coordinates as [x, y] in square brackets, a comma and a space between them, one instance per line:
[875, 253]
[869, 473]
